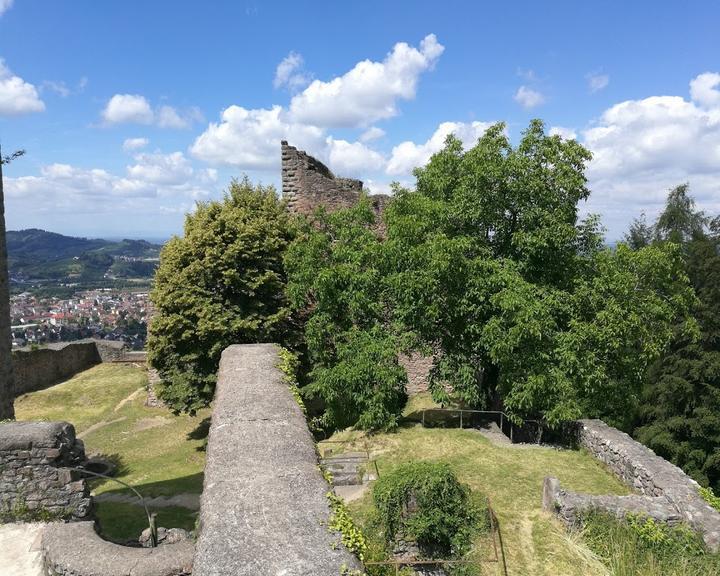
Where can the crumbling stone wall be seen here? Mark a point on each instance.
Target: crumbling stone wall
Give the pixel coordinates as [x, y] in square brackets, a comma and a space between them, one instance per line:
[34, 474]
[39, 369]
[264, 508]
[666, 492]
[307, 183]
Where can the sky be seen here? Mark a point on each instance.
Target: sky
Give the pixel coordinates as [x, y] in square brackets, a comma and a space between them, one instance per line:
[131, 112]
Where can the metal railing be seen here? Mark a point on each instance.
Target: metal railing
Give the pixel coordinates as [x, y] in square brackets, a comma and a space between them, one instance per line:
[151, 517]
[503, 419]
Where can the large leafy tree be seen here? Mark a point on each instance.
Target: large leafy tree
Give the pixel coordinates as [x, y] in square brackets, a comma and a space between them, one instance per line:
[486, 265]
[494, 272]
[221, 283]
[679, 416]
[337, 281]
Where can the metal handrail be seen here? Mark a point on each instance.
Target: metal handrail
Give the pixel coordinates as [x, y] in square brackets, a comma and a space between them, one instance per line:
[150, 517]
[502, 414]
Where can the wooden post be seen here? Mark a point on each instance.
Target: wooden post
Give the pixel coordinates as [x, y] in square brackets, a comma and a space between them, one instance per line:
[461, 419]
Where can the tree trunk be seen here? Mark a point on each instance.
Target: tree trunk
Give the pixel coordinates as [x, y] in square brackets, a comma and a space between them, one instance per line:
[7, 388]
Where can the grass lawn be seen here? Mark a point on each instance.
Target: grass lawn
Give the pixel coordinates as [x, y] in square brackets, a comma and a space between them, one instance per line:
[158, 453]
[512, 476]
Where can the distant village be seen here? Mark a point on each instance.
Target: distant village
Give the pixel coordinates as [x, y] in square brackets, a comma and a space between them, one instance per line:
[105, 313]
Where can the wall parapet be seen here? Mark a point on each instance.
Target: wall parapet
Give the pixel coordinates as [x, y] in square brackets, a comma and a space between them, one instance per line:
[665, 491]
[35, 478]
[39, 369]
[264, 508]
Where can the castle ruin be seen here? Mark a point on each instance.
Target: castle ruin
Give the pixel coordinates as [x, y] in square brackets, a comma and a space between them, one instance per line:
[307, 184]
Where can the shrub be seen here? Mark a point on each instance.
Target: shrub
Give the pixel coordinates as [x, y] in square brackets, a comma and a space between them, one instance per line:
[222, 283]
[425, 503]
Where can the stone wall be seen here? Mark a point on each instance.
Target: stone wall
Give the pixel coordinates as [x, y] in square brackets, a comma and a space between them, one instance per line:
[264, 508]
[307, 183]
[76, 550]
[45, 367]
[663, 487]
[34, 477]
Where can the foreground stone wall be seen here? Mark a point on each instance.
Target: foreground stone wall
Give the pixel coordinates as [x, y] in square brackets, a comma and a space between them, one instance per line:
[76, 550]
[666, 492]
[264, 508]
[39, 369]
[34, 457]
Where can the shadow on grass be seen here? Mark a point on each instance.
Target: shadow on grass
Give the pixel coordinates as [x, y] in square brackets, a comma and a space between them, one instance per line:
[201, 432]
[191, 484]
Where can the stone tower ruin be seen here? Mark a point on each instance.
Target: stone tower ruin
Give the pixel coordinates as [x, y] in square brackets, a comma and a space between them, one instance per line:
[307, 183]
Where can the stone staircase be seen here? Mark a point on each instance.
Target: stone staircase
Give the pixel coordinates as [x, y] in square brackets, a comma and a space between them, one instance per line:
[348, 469]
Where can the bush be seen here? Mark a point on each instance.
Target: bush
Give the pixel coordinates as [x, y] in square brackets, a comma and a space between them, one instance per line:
[423, 502]
[222, 283]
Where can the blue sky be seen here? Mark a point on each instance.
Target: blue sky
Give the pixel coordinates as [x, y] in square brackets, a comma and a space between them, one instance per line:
[132, 111]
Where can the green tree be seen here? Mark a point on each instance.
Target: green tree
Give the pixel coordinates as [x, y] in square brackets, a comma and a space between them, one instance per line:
[337, 282]
[222, 283]
[679, 416]
[492, 269]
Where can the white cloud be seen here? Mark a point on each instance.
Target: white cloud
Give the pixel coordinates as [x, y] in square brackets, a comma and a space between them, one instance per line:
[161, 168]
[136, 109]
[372, 133]
[705, 90]
[353, 158]
[566, 133]
[155, 183]
[131, 144]
[597, 82]
[290, 72]
[528, 98]
[60, 88]
[407, 155]
[369, 91]
[5, 5]
[250, 139]
[16, 95]
[641, 148]
[128, 108]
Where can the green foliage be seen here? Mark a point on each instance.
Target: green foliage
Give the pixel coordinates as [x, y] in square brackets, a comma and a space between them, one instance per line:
[289, 365]
[487, 265]
[642, 546]
[490, 268]
[336, 282]
[341, 521]
[679, 413]
[424, 502]
[222, 283]
[710, 497]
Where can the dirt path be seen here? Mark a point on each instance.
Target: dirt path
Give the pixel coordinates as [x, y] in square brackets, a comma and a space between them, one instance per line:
[98, 425]
[103, 423]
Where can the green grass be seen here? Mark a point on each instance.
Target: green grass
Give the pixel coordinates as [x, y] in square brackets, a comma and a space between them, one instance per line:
[158, 453]
[121, 522]
[512, 478]
[644, 548]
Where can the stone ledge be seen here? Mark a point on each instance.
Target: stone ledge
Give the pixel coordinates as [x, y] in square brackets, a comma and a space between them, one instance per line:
[76, 550]
[264, 509]
[652, 476]
[570, 506]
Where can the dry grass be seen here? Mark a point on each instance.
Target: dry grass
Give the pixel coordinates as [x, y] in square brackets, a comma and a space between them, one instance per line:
[535, 543]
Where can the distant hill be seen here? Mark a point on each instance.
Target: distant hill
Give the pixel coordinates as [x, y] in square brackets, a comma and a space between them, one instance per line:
[35, 255]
